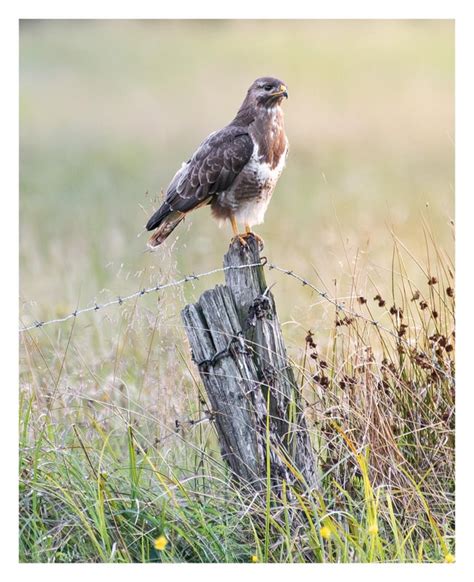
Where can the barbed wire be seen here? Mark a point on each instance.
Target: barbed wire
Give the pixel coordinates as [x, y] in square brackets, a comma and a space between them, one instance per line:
[354, 314]
[193, 277]
[339, 306]
[145, 291]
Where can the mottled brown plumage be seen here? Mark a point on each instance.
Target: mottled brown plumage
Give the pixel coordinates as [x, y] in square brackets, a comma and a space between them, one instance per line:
[235, 170]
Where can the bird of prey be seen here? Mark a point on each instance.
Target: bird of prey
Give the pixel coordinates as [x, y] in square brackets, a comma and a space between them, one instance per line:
[234, 170]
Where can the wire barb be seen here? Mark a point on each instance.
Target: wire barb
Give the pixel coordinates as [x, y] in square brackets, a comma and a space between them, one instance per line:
[193, 277]
[145, 291]
[342, 308]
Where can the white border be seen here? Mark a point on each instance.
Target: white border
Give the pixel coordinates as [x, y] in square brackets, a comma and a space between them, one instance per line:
[9, 288]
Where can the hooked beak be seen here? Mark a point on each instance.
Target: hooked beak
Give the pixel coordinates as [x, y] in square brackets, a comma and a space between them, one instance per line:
[282, 91]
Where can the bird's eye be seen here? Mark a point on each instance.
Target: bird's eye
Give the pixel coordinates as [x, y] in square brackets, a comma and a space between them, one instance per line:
[268, 87]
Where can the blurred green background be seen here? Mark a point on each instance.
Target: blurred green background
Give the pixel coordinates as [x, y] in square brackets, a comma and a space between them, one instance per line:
[110, 109]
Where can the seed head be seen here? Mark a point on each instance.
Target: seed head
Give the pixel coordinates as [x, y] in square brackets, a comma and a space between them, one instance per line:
[379, 299]
[309, 339]
[403, 329]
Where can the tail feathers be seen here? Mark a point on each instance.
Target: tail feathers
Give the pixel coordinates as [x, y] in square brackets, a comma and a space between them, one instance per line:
[165, 228]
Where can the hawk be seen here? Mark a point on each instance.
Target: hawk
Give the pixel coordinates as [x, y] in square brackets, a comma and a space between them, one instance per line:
[234, 170]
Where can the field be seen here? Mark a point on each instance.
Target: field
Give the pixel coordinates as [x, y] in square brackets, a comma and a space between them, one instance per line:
[365, 207]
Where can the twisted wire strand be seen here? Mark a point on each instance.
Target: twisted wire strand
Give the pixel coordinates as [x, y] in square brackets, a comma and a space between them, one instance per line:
[339, 306]
[193, 277]
[352, 313]
[145, 291]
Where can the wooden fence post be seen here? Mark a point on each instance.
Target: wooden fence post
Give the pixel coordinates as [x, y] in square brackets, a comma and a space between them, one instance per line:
[237, 344]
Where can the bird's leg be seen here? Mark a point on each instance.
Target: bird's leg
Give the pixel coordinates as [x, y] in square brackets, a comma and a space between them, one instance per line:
[248, 232]
[235, 229]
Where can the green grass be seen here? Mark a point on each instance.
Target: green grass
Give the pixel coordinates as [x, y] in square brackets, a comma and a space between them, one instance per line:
[364, 208]
[105, 470]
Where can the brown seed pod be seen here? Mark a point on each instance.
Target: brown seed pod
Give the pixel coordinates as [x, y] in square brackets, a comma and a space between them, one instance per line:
[379, 300]
[309, 339]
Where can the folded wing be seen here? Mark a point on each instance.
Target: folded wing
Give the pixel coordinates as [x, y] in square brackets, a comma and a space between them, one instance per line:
[212, 169]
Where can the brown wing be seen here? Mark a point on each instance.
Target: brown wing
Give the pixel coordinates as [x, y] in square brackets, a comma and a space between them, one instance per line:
[212, 169]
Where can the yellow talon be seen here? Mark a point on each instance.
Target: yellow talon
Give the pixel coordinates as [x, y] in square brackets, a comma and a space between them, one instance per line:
[248, 232]
[242, 237]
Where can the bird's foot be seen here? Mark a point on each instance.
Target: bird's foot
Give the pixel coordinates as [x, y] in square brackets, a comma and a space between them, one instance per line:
[240, 238]
[258, 238]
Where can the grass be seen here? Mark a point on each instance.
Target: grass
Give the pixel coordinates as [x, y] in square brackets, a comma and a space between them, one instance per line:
[102, 476]
[116, 448]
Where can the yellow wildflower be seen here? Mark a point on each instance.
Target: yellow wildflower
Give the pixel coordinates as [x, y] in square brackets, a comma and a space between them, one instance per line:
[449, 559]
[160, 543]
[325, 532]
[254, 559]
[373, 529]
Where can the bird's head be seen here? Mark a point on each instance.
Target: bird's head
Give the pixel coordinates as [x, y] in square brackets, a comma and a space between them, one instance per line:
[267, 92]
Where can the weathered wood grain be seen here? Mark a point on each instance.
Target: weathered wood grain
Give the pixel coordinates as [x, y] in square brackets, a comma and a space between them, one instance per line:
[237, 343]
